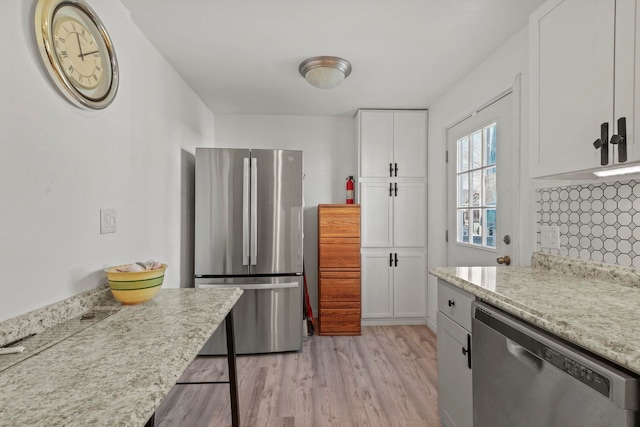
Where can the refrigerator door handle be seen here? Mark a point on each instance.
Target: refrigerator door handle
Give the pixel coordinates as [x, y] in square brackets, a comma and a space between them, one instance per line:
[254, 211]
[253, 286]
[245, 212]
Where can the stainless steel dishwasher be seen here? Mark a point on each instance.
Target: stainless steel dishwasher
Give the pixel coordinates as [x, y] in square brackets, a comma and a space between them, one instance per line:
[523, 376]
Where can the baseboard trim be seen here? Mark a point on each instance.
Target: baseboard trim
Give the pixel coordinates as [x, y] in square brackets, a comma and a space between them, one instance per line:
[394, 322]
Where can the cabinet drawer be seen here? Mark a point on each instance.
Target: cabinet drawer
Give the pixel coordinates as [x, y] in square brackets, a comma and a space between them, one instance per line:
[339, 220]
[338, 321]
[339, 286]
[340, 305]
[455, 303]
[339, 255]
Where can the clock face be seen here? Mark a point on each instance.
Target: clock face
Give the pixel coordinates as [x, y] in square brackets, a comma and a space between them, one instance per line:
[77, 52]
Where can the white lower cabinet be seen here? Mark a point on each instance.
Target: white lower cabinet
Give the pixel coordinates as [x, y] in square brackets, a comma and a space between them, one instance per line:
[393, 285]
[454, 356]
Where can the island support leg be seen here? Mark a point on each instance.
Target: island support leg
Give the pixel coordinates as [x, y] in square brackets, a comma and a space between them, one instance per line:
[233, 373]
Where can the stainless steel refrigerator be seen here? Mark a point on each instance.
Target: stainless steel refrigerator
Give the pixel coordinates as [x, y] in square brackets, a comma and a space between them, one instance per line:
[248, 233]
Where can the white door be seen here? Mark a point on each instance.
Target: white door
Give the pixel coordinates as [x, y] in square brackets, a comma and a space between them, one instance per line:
[377, 273]
[480, 180]
[409, 213]
[572, 83]
[409, 144]
[409, 278]
[376, 202]
[376, 143]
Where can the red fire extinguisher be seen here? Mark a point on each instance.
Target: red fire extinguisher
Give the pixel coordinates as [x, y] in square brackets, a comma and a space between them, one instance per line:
[350, 183]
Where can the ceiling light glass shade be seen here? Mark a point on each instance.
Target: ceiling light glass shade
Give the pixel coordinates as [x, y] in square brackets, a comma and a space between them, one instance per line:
[325, 72]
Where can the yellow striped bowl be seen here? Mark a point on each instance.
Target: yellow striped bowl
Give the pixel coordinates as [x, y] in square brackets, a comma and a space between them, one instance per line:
[134, 287]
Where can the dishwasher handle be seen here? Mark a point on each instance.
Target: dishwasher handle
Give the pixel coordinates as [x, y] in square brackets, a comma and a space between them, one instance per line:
[524, 355]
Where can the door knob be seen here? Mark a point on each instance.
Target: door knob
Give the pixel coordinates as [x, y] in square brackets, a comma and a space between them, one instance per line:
[506, 260]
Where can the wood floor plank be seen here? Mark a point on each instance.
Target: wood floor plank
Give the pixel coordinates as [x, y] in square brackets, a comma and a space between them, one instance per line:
[386, 377]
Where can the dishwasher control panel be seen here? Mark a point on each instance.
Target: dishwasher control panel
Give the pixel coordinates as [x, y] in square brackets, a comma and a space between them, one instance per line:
[577, 370]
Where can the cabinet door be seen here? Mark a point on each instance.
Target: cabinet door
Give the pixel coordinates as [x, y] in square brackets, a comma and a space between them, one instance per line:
[409, 284]
[572, 76]
[377, 288]
[375, 129]
[454, 375]
[410, 144]
[627, 62]
[376, 204]
[410, 215]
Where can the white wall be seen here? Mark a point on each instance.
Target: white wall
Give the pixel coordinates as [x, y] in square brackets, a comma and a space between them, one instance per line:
[329, 151]
[60, 165]
[495, 75]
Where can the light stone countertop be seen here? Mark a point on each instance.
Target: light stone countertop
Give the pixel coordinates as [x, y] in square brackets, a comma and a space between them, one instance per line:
[593, 305]
[116, 371]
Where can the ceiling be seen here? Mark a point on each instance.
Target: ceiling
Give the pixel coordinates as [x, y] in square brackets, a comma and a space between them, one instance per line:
[242, 56]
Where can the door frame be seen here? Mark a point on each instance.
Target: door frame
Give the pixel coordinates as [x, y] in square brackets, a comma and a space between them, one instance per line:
[517, 236]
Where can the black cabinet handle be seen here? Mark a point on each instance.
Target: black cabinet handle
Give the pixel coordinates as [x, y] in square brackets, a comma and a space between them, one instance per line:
[390, 169]
[602, 143]
[390, 190]
[451, 303]
[396, 168]
[390, 260]
[621, 140]
[396, 260]
[395, 186]
[467, 351]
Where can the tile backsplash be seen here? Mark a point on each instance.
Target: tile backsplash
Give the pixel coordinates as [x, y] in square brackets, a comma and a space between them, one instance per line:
[597, 222]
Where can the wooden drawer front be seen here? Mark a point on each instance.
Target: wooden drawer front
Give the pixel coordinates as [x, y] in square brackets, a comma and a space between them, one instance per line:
[339, 221]
[339, 321]
[339, 256]
[455, 303]
[340, 305]
[339, 286]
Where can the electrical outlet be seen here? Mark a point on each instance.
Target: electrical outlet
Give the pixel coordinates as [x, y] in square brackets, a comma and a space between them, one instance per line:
[550, 236]
[108, 221]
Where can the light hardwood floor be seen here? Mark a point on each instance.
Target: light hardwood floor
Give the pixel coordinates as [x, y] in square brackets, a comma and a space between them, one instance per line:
[386, 377]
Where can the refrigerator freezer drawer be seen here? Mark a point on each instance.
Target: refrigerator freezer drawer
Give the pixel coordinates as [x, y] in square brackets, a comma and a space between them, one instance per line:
[267, 318]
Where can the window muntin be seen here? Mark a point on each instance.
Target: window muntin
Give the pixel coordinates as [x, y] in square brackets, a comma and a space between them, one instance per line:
[476, 201]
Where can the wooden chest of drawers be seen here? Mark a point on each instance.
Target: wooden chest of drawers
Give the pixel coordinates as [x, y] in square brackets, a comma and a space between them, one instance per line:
[339, 269]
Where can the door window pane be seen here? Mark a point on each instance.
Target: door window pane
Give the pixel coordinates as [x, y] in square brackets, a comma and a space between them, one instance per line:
[463, 226]
[463, 190]
[490, 143]
[463, 154]
[490, 216]
[477, 187]
[490, 193]
[476, 149]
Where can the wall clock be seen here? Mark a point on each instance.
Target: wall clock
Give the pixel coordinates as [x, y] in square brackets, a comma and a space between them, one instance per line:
[77, 52]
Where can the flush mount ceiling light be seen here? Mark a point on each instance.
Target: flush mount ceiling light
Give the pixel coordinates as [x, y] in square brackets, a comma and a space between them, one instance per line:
[325, 72]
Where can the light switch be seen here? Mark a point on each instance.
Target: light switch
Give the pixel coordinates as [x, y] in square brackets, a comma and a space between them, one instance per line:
[108, 221]
[550, 236]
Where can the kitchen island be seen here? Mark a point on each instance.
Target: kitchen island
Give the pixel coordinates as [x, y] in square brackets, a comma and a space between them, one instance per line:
[593, 305]
[117, 369]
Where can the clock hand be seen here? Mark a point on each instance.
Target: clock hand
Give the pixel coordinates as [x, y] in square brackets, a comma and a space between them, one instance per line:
[80, 47]
[82, 55]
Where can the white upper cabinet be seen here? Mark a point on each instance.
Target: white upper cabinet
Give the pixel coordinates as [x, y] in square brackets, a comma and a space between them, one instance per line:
[392, 143]
[582, 55]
